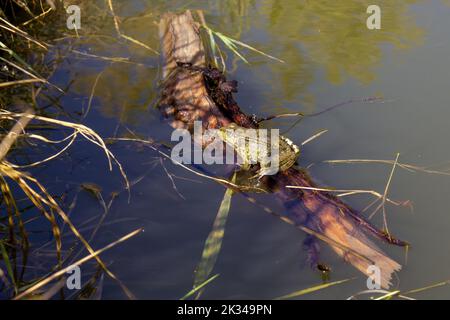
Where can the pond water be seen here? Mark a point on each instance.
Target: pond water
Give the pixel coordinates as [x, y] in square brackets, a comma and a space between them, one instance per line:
[330, 57]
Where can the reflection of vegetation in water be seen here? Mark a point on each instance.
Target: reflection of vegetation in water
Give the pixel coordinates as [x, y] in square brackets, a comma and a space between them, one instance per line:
[306, 34]
[121, 71]
[333, 35]
[231, 15]
[123, 91]
[28, 52]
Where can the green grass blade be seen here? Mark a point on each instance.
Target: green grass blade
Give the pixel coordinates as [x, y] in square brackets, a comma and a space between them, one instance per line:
[388, 296]
[242, 44]
[17, 57]
[213, 242]
[8, 265]
[213, 45]
[231, 44]
[201, 286]
[312, 289]
[436, 285]
[227, 41]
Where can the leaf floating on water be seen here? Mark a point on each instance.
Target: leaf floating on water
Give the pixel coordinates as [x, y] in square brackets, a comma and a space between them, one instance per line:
[213, 242]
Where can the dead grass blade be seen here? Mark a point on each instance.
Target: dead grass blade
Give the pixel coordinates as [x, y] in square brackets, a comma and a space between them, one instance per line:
[387, 295]
[43, 200]
[386, 190]
[83, 130]
[15, 131]
[240, 188]
[38, 201]
[43, 14]
[282, 115]
[432, 286]
[61, 272]
[112, 59]
[222, 181]
[139, 43]
[48, 200]
[348, 192]
[13, 29]
[40, 79]
[119, 32]
[72, 138]
[312, 289]
[171, 178]
[13, 211]
[315, 136]
[408, 167]
[19, 82]
[91, 96]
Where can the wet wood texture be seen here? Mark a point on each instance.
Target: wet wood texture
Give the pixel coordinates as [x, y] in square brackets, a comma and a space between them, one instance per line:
[185, 99]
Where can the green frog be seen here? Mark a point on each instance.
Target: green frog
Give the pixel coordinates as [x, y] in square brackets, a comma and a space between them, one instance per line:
[253, 147]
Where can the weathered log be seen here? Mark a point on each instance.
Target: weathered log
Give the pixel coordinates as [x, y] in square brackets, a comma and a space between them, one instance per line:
[187, 97]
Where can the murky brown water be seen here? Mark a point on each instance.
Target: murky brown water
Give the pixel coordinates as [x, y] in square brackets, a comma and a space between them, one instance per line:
[330, 57]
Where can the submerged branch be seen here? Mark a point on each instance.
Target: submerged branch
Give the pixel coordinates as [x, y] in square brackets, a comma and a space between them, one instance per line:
[187, 95]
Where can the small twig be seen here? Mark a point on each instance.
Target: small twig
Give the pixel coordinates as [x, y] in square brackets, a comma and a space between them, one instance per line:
[370, 99]
[281, 115]
[91, 96]
[169, 175]
[386, 191]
